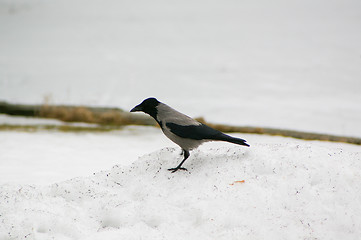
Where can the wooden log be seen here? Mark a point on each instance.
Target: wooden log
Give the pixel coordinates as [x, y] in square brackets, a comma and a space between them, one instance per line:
[19, 109]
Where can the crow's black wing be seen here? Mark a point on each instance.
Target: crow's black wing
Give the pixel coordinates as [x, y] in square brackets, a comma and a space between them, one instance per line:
[196, 132]
[202, 132]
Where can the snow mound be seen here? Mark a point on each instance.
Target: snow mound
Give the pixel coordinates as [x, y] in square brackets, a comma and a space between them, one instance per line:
[268, 191]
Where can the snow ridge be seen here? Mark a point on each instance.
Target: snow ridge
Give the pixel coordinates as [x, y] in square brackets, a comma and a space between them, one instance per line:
[270, 191]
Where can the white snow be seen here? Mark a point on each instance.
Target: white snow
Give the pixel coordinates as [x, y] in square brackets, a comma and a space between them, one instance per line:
[48, 157]
[278, 190]
[286, 64]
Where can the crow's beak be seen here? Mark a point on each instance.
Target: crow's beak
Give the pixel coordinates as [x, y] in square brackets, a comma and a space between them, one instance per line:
[137, 108]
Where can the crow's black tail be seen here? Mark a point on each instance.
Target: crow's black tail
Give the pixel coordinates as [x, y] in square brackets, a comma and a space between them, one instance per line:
[230, 139]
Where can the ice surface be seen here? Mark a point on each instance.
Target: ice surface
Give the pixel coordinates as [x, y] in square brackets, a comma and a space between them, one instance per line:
[293, 65]
[19, 120]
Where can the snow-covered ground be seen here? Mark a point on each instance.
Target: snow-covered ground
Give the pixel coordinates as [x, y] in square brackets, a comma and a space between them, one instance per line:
[116, 185]
[278, 189]
[287, 64]
[47, 157]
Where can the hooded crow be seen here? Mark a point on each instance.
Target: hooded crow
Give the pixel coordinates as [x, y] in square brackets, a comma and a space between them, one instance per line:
[181, 129]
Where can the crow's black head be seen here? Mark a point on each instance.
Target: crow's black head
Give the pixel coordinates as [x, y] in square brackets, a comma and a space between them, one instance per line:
[148, 106]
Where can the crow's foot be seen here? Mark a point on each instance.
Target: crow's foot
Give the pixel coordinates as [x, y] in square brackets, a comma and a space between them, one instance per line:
[173, 170]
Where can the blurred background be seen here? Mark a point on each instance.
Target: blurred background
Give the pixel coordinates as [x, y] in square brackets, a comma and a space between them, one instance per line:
[287, 64]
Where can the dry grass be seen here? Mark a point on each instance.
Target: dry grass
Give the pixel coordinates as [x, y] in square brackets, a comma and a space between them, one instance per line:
[111, 118]
[286, 133]
[92, 115]
[74, 114]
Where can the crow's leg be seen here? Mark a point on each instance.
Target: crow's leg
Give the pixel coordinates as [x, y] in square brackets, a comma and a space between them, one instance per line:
[179, 167]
